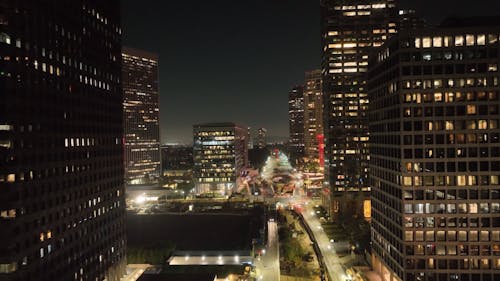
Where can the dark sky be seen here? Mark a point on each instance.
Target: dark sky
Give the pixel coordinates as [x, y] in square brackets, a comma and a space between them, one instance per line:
[232, 60]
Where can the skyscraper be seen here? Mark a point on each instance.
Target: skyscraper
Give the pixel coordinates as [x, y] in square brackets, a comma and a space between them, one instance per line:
[313, 116]
[141, 116]
[435, 153]
[261, 138]
[220, 154]
[296, 122]
[61, 152]
[350, 31]
[249, 138]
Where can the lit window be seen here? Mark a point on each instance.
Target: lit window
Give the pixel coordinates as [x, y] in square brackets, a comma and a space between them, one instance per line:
[471, 109]
[459, 40]
[417, 43]
[378, 6]
[493, 179]
[11, 177]
[481, 39]
[407, 181]
[408, 235]
[482, 124]
[426, 42]
[5, 38]
[449, 125]
[469, 40]
[492, 38]
[437, 41]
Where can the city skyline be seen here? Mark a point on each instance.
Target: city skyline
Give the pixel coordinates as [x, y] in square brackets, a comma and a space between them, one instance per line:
[330, 140]
[272, 37]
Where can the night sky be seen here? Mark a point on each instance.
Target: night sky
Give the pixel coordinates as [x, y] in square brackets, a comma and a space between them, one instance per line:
[229, 60]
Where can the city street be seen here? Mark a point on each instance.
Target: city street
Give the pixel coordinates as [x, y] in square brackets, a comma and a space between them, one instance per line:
[330, 257]
[268, 268]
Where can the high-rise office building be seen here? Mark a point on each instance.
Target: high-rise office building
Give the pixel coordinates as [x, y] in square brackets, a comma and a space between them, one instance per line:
[141, 116]
[220, 154]
[296, 122]
[435, 153]
[249, 138]
[61, 152]
[313, 117]
[261, 138]
[350, 30]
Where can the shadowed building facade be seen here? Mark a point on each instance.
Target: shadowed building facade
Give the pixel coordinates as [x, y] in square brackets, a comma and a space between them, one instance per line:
[435, 153]
[61, 152]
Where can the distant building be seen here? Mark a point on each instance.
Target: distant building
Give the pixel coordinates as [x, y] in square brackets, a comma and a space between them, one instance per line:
[296, 122]
[435, 153]
[177, 165]
[220, 153]
[141, 116]
[313, 117]
[249, 138]
[177, 157]
[62, 204]
[261, 138]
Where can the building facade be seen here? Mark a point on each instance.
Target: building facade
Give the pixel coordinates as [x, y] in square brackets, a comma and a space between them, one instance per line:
[435, 153]
[62, 201]
[220, 153]
[177, 165]
[349, 32]
[141, 116]
[313, 117]
[296, 122]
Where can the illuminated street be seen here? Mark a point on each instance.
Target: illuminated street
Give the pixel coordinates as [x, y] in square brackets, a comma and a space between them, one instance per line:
[268, 268]
[330, 257]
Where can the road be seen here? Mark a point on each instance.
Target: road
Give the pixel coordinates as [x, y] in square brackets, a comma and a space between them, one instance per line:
[330, 257]
[268, 268]
[334, 268]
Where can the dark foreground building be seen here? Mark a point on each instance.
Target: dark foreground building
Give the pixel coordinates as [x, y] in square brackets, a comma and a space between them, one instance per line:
[435, 153]
[61, 151]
